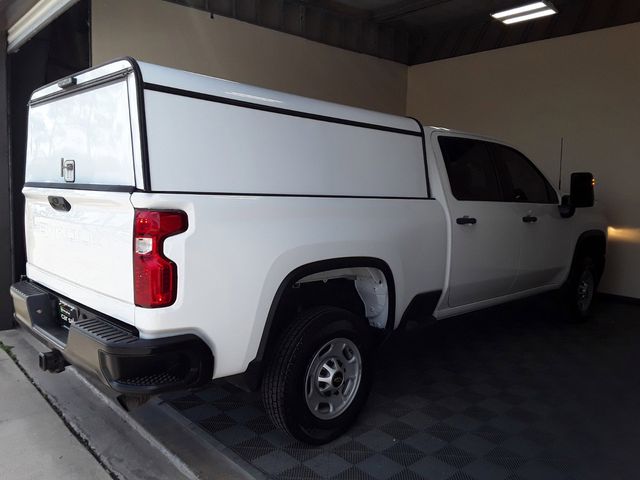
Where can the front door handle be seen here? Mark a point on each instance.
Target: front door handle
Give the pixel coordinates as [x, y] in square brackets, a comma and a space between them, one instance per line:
[466, 221]
[529, 219]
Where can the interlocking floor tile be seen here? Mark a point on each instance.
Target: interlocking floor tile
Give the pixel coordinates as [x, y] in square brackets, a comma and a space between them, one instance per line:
[253, 448]
[473, 444]
[425, 442]
[460, 475]
[353, 451]
[200, 412]
[505, 458]
[433, 469]
[299, 472]
[399, 430]
[509, 394]
[445, 432]
[234, 434]
[376, 440]
[483, 470]
[454, 456]
[328, 464]
[418, 419]
[275, 462]
[380, 467]
[186, 402]
[403, 454]
[353, 473]
[217, 422]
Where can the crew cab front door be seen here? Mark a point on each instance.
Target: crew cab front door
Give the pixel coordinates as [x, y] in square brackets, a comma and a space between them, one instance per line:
[544, 234]
[485, 230]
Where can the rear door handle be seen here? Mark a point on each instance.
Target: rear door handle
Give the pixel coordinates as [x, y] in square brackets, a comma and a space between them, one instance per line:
[529, 219]
[466, 221]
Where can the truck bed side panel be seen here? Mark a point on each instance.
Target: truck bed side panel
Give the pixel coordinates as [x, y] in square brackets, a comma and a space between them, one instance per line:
[238, 249]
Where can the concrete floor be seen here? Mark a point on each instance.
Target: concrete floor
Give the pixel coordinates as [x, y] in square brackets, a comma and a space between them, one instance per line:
[151, 443]
[34, 442]
[511, 393]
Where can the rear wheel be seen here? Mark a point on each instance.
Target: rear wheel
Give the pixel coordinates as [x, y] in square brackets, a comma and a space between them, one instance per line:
[319, 378]
[579, 291]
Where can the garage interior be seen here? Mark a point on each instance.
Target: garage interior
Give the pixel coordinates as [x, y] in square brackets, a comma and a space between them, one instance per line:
[505, 394]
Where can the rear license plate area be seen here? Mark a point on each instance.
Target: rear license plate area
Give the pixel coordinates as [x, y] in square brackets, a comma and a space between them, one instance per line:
[68, 314]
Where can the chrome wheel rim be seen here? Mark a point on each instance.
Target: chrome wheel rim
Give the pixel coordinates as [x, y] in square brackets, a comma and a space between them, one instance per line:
[333, 378]
[586, 287]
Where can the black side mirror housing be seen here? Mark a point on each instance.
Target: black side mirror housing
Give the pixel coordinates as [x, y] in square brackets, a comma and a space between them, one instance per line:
[582, 184]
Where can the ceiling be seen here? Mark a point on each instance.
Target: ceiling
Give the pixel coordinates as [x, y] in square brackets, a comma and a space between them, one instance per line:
[406, 31]
[419, 31]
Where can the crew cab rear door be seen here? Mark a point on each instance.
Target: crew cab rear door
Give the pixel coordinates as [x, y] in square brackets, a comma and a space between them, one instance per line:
[80, 172]
[485, 240]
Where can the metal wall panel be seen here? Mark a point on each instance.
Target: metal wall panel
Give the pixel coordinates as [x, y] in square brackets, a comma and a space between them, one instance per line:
[6, 319]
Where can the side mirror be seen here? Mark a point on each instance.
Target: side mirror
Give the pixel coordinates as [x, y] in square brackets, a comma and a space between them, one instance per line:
[582, 184]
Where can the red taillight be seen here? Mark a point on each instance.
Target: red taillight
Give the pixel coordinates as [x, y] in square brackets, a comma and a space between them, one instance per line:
[154, 275]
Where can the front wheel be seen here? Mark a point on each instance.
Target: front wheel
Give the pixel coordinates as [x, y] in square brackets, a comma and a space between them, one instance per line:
[580, 289]
[319, 378]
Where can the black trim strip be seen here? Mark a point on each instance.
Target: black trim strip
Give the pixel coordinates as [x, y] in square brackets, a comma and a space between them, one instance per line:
[424, 155]
[81, 72]
[267, 108]
[81, 87]
[421, 308]
[142, 124]
[82, 186]
[131, 189]
[301, 195]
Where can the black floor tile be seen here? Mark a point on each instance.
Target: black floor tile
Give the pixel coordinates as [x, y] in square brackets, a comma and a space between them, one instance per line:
[511, 393]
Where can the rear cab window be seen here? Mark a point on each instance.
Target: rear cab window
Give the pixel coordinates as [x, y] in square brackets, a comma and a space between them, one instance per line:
[472, 175]
[92, 128]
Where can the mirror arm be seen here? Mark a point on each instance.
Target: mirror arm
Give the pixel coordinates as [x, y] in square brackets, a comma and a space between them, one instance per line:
[566, 209]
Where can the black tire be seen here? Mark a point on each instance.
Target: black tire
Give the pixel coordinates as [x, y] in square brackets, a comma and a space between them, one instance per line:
[286, 381]
[579, 291]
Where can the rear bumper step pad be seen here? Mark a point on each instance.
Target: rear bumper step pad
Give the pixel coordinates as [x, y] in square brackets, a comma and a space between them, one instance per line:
[114, 353]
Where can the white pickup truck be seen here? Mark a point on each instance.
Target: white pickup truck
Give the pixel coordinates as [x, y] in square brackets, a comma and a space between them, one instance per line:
[181, 228]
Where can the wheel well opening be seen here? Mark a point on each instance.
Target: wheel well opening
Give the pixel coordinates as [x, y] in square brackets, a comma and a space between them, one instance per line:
[593, 245]
[368, 292]
[339, 292]
[363, 291]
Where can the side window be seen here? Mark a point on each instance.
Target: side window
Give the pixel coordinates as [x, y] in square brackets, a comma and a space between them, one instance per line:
[470, 169]
[520, 180]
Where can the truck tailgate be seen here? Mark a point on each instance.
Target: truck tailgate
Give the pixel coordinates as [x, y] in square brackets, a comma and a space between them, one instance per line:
[89, 245]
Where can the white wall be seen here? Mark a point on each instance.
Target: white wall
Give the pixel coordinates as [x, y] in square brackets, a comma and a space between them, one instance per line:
[585, 88]
[168, 34]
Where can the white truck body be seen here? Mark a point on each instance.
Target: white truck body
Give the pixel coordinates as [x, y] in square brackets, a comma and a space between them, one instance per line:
[270, 183]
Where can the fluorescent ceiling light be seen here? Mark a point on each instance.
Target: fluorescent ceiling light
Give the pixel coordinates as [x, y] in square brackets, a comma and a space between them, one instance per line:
[516, 11]
[530, 16]
[525, 12]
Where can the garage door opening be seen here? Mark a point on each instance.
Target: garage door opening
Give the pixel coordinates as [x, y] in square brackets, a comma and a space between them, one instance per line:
[61, 48]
